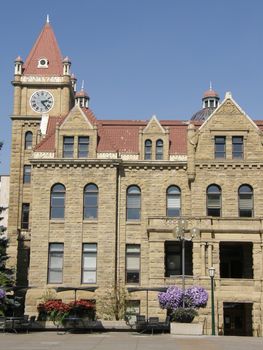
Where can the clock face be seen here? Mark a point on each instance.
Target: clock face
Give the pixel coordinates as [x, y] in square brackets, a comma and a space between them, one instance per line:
[41, 101]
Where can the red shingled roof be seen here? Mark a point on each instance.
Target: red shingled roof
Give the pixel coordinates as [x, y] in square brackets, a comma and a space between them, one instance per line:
[119, 135]
[47, 47]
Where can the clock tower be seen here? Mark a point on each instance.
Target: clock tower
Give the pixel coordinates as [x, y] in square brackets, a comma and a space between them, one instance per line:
[43, 90]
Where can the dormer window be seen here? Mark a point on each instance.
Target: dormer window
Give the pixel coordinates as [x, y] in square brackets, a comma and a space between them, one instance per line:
[42, 63]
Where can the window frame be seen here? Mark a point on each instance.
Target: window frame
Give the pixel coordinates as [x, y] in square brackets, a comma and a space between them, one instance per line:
[169, 246]
[28, 142]
[169, 196]
[91, 253]
[68, 153]
[128, 270]
[219, 207]
[25, 212]
[52, 206]
[27, 174]
[235, 154]
[251, 199]
[81, 144]
[148, 149]
[55, 254]
[129, 207]
[216, 151]
[159, 150]
[85, 196]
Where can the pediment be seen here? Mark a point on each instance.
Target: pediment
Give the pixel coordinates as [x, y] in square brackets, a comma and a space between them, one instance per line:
[76, 119]
[154, 127]
[229, 116]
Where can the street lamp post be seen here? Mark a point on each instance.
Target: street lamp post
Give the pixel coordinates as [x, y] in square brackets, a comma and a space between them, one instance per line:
[212, 275]
[182, 233]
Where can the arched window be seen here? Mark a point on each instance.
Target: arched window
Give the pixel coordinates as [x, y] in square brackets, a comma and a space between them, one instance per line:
[173, 201]
[28, 140]
[57, 202]
[133, 206]
[159, 150]
[213, 200]
[245, 201]
[148, 149]
[90, 202]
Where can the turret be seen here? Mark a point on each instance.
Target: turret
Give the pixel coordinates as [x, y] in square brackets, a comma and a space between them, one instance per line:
[82, 98]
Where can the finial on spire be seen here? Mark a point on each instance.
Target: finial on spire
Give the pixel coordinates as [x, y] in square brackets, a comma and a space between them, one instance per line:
[210, 87]
[47, 18]
[82, 85]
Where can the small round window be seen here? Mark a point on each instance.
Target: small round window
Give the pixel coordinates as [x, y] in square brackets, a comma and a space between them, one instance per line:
[42, 63]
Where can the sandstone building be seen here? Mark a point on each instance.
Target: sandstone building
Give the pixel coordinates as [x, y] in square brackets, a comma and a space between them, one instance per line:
[95, 203]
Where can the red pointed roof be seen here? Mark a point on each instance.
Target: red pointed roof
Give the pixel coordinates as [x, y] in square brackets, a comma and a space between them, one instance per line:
[47, 47]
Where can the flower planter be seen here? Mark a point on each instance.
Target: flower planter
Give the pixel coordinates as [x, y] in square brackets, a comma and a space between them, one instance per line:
[178, 328]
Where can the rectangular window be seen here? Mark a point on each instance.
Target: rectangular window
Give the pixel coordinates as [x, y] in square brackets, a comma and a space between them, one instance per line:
[237, 147]
[89, 263]
[132, 310]
[83, 146]
[68, 147]
[173, 258]
[25, 216]
[55, 263]
[220, 147]
[133, 263]
[27, 174]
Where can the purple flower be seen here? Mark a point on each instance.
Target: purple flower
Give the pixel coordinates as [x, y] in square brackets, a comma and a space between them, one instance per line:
[171, 299]
[196, 297]
[2, 294]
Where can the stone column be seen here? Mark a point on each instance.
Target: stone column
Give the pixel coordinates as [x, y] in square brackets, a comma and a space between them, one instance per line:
[210, 255]
[203, 265]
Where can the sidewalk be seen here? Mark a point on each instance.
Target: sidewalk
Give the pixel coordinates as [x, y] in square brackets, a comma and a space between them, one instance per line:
[123, 341]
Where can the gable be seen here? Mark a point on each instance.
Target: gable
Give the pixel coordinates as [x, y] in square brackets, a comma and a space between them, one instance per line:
[76, 120]
[154, 127]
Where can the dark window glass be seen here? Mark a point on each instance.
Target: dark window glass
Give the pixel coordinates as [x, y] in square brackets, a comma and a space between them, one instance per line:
[237, 147]
[91, 202]
[55, 263]
[173, 258]
[28, 140]
[89, 263]
[57, 202]
[173, 201]
[132, 263]
[133, 210]
[220, 147]
[213, 195]
[148, 149]
[236, 260]
[68, 147]
[159, 149]
[245, 200]
[25, 216]
[27, 174]
[83, 146]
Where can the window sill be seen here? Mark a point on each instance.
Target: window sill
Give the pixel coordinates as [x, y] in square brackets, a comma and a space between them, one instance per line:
[53, 221]
[133, 222]
[90, 221]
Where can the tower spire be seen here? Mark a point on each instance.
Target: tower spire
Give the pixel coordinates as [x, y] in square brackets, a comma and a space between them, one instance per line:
[47, 18]
[210, 86]
[82, 85]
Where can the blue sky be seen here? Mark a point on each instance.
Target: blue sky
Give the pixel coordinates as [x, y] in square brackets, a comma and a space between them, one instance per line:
[142, 57]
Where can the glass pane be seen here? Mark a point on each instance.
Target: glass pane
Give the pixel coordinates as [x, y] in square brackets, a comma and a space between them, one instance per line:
[133, 248]
[213, 212]
[83, 139]
[89, 247]
[90, 199]
[133, 277]
[134, 190]
[133, 201]
[89, 261]
[56, 247]
[58, 188]
[173, 190]
[90, 213]
[89, 277]
[245, 189]
[173, 212]
[56, 261]
[133, 214]
[91, 188]
[173, 201]
[55, 277]
[133, 262]
[57, 213]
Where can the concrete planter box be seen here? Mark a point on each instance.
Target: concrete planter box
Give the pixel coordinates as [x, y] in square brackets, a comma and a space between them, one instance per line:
[186, 328]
